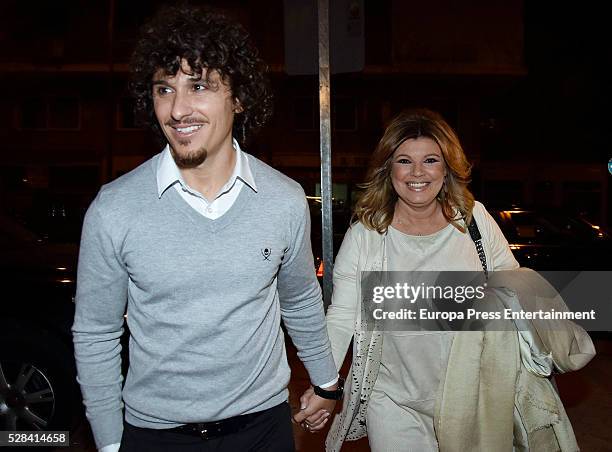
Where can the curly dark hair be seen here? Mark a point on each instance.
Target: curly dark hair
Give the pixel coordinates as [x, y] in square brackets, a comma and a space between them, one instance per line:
[208, 41]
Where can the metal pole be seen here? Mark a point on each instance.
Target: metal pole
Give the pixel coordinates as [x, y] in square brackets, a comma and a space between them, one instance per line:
[108, 171]
[325, 140]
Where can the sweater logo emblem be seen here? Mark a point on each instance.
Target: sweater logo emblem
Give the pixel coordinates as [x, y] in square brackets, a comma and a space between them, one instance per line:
[266, 253]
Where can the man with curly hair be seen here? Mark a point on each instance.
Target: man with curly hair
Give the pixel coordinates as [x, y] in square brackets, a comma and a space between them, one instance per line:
[207, 248]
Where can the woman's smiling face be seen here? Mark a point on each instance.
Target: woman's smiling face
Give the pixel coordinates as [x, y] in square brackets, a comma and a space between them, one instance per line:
[417, 172]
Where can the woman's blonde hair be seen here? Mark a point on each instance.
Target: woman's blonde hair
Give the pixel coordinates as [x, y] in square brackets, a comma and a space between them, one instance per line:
[376, 204]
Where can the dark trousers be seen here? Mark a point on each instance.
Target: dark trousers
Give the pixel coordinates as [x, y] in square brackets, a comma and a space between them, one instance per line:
[271, 431]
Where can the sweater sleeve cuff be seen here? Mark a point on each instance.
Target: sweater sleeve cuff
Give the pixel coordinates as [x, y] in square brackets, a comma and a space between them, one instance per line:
[107, 430]
[111, 448]
[329, 383]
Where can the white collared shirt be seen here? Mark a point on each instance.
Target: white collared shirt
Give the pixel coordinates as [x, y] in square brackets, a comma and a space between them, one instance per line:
[168, 174]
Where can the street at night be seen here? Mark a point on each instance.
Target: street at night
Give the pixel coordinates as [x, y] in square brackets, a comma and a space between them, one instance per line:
[184, 185]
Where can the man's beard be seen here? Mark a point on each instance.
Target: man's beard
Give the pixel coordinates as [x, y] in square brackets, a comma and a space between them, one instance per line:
[190, 160]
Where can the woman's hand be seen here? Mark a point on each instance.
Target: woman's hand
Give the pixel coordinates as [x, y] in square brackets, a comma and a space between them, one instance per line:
[314, 411]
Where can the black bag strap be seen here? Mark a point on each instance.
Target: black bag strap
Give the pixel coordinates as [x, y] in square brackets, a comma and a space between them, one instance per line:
[477, 238]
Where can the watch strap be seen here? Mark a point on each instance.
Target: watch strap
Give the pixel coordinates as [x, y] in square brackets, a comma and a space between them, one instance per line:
[335, 394]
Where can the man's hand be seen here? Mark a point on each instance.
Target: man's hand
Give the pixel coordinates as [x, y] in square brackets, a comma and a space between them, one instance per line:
[314, 411]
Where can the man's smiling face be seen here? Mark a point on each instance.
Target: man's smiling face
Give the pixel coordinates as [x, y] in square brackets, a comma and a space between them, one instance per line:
[195, 115]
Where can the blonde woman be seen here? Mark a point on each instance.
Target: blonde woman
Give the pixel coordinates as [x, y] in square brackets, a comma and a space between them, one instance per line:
[413, 215]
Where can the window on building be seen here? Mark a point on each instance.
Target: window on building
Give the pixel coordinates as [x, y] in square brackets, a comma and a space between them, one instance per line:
[344, 112]
[74, 178]
[126, 119]
[63, 113]
[339, 195]
[304, 113]
[50, 113]
[34, 114]
[12, 178]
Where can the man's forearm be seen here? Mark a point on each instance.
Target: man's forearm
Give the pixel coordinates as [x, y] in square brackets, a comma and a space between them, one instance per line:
[306, 326]
[302, 305]
[101, 298]
[99, 375]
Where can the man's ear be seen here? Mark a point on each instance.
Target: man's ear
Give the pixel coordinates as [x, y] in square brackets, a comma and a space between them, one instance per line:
[237, 106]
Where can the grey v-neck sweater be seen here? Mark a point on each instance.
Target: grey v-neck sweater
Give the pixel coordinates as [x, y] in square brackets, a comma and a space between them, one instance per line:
[204, 302]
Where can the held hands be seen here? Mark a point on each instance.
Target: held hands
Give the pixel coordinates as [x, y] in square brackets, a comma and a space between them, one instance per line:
[314, 411]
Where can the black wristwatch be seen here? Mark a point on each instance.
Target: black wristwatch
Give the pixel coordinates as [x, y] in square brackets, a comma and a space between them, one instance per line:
[336, 394]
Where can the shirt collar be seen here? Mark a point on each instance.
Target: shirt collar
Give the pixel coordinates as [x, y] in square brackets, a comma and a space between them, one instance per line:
[242, 170]
[169, 174]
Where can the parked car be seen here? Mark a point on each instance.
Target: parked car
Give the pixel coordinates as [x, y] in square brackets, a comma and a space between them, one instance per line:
[542, 239]
[38, 388]
[546, 239]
